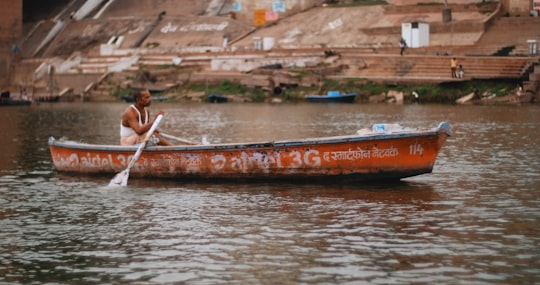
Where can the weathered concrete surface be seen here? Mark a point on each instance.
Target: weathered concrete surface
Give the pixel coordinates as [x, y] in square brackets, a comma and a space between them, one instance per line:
[370, 32]
[181, 30]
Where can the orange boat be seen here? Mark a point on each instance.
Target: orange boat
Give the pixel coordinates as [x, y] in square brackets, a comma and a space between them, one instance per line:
[387, 151]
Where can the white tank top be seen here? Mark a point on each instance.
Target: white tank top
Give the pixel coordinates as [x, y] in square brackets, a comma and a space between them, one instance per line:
[127, 131]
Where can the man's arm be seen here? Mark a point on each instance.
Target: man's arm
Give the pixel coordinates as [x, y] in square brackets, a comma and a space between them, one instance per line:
[133, 121]
[130, 118]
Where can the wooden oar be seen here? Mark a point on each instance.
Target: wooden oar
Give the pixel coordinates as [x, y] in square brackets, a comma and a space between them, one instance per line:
[181, 140]
[121, 178]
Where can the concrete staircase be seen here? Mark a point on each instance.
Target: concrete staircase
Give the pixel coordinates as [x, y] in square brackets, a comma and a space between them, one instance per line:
[102, 88]
[96, 78]
[435, 69]
[380, 68]
[532, 85]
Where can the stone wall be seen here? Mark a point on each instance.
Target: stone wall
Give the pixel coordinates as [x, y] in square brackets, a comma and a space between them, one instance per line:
[264, 12]
[10, 33]
[517, 7]
[151, 8]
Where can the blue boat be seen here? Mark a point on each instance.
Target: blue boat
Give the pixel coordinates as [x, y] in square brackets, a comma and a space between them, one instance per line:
[332, 97]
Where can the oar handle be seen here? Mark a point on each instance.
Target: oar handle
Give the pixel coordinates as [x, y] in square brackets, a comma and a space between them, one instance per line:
[181, 140]
[153, 128]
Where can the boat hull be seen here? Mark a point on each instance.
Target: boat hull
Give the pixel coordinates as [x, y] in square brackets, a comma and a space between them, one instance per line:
[10, 102]
[215, 98]
[359, 157]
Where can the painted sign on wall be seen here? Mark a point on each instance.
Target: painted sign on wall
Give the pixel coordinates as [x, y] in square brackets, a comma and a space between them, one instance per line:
[279, 6]
[259, 17]
[272, 16]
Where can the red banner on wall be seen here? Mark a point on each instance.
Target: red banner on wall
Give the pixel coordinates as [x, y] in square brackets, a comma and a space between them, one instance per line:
[272, 16]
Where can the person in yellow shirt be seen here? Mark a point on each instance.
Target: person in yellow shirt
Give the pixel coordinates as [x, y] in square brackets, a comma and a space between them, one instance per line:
[453, 67]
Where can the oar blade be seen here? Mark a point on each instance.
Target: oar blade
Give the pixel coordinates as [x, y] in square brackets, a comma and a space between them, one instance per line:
[120, 179]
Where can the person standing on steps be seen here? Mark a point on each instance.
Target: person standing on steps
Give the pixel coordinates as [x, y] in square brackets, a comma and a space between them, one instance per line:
[225, 42]
[402, 46]
[519, 91]
[453, 67]
[460, 71]
[136, 121]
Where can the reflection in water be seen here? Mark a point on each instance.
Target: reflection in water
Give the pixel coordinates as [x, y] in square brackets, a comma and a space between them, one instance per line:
[9, 143]
[474, 220]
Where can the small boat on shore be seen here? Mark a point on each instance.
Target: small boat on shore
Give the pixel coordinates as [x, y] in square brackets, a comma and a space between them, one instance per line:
[332, 97]
[216, 98]
[6, 100]
[14, 102]
[386, 152]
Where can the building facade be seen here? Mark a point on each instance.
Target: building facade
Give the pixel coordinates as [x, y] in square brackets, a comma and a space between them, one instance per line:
[521, 7]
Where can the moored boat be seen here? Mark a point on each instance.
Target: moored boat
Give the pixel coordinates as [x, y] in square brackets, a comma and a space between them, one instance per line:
[14, 102]
[216, 98]
[388, 151]
[332, 97]
[6, 100]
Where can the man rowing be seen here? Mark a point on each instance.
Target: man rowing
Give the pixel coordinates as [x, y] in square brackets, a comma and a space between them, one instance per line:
[136, 121]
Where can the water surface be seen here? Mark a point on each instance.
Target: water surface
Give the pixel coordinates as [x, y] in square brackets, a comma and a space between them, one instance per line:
[474, 220]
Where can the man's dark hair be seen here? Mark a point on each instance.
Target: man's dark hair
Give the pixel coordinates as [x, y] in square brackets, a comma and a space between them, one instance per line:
[137, 94]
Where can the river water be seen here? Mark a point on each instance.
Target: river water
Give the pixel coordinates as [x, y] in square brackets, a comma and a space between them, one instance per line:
[474, 220]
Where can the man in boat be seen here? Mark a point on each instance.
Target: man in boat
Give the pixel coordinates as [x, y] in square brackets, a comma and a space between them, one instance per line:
[136, 121]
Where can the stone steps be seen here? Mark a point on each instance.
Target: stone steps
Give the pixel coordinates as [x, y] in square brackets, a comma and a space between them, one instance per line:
[407, 68]
[439, 67]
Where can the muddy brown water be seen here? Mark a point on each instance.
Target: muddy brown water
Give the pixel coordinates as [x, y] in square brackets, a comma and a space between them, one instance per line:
[474, 220]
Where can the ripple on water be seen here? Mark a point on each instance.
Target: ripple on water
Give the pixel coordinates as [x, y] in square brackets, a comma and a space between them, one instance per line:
[473, 220]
